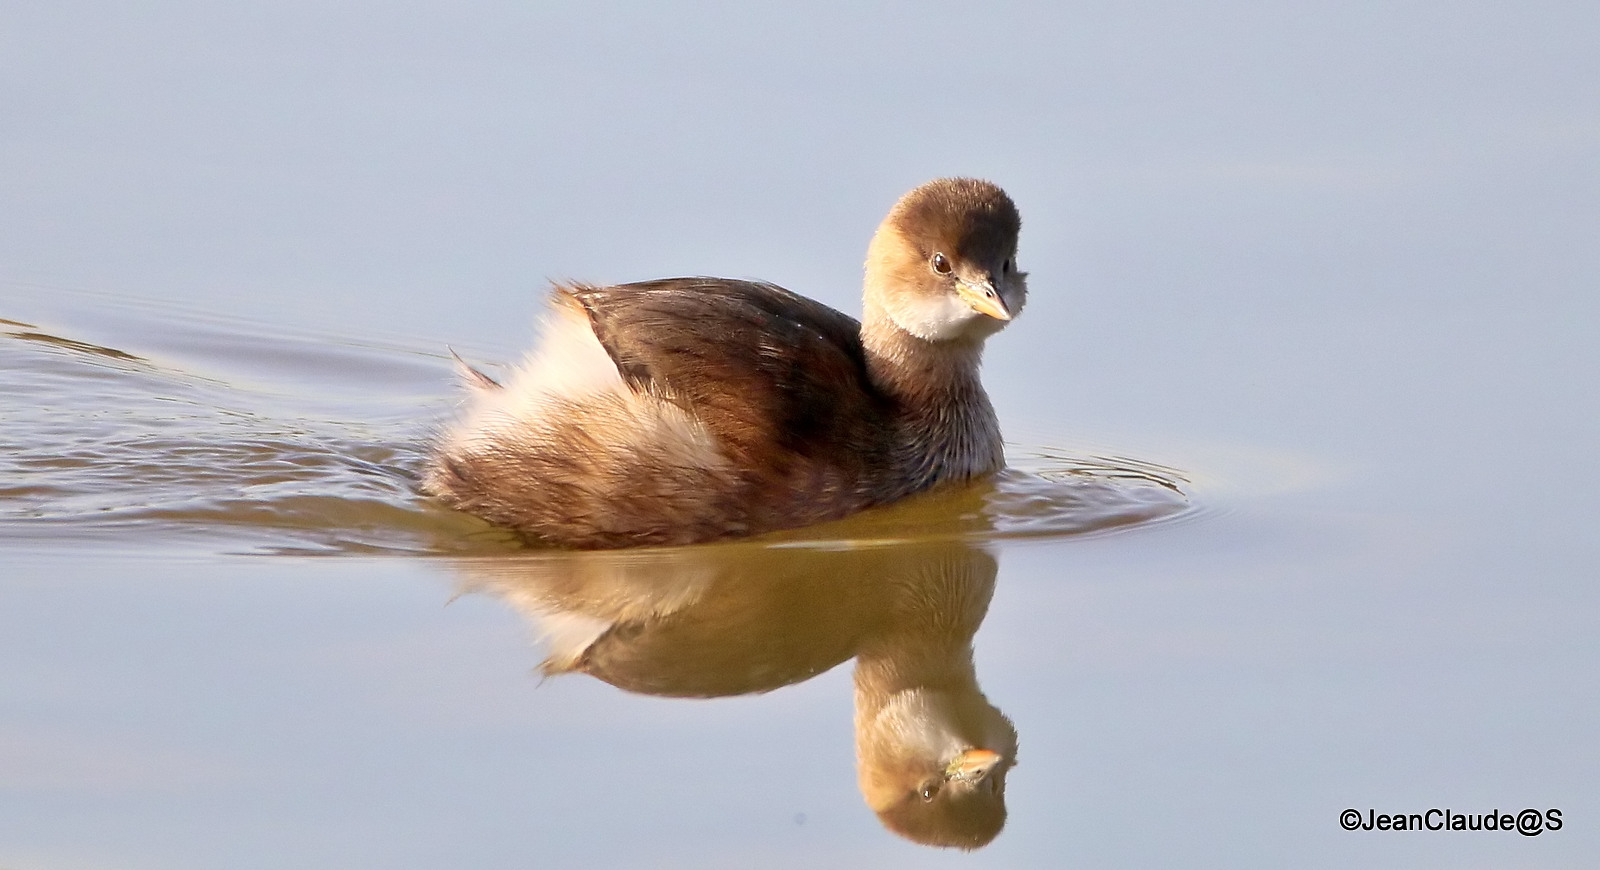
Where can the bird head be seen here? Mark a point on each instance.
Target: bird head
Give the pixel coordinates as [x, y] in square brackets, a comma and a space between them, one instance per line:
[932, 765]
[943, 265]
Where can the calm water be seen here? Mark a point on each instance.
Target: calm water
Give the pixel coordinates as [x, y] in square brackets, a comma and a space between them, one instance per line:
[1302, 417]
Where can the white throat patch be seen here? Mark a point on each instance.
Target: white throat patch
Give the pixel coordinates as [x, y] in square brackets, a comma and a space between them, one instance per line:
[939, 318]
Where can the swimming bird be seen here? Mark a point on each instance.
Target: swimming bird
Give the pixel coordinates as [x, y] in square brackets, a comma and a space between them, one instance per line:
[695, 409]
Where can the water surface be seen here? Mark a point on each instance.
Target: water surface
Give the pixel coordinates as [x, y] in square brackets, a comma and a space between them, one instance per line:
[199, 437]
[225, 430]
[1301, 414]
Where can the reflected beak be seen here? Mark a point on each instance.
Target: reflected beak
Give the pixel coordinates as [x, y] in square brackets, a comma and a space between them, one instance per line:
[982, 297]
[972, 765]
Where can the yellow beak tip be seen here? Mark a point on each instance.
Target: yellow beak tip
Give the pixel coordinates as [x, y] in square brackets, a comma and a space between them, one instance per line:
[984, 301]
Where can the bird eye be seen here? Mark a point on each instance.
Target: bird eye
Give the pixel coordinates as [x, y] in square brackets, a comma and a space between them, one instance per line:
[929, 790]
[941, 264]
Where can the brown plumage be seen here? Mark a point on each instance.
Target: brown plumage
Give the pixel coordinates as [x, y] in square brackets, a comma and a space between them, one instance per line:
[694, 409]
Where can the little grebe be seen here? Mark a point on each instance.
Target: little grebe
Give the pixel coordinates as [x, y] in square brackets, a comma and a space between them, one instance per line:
[693, 409]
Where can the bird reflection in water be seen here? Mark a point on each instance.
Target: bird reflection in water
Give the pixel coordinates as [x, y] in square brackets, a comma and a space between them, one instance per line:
[932, 753]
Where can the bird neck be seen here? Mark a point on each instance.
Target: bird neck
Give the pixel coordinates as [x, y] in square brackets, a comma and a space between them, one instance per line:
[932, 607]
[883, 671]
[949, 427]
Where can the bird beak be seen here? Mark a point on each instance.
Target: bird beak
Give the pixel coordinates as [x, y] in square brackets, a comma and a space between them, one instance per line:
[982, 297]
[972, 765]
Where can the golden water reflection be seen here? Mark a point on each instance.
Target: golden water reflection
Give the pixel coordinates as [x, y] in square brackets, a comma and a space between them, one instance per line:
[932, 753]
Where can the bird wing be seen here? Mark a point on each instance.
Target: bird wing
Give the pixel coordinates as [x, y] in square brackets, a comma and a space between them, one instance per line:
[759, 366]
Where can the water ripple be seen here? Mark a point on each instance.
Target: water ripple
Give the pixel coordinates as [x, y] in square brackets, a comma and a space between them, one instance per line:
[129, 447]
